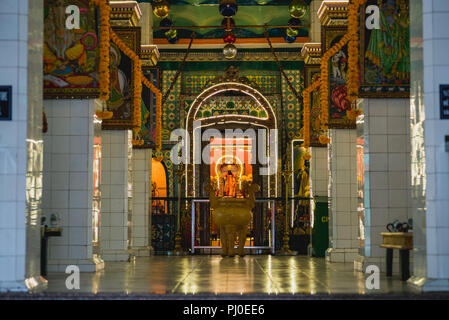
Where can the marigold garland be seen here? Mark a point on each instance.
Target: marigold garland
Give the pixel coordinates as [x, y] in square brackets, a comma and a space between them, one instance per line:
[306, 101]
[350, 38]
[353, 60]
[103, 68]
[324, 139]
[104, 115]
[106, 35]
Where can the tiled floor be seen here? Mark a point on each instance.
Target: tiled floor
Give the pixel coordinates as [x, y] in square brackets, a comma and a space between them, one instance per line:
[217, 275]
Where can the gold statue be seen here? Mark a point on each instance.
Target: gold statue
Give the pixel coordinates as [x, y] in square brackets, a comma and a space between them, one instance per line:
[232, 216]
[230, 183]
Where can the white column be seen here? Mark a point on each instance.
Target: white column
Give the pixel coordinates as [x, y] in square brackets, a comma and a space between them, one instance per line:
[431, 272]
[315, 30]
[146, 23]
[21, 145]
[140, 241]
[318, 171]
[68, 183]
[114, 195]
[343, 196]
[387, 172]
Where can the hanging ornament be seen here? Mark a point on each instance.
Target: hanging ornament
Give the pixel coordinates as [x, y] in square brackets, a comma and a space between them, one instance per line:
[173, 40]
[161, 9]
[172, 33]
[228, 8]
[224, 24]
[166, 23]
[292, 32]
[297, 8]
[290, 39]
[294, 22]
[229, 51]
[229, 37]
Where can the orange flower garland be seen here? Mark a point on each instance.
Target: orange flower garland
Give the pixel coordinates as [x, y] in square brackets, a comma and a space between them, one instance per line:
[104, 115]
[306, 101]
[351, 37]
[137, 79]
[106, 34]
[103, 68]
[158, 94]
[353, 50]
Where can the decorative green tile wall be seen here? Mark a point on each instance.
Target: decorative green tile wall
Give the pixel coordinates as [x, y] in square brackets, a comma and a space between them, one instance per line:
[293, 107]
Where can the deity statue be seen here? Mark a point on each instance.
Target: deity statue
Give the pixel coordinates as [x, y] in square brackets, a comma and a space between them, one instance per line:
[389, 46]
[230, 183]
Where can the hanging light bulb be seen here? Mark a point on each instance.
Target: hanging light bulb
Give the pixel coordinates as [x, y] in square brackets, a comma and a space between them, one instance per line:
[228, 8]
[297, 8]
[294, 22]
[292, 32]
[229, 51]
[166, 23]
[161, 9]
[173, 40]
[290, 39]
[229, 37]
[171, 33]
[226, 26]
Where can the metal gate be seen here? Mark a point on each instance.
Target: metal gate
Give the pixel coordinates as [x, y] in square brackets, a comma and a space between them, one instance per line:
[264, 241]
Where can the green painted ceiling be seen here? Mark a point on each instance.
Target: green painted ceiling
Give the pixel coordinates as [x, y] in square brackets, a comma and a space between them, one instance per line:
[205, 13]
[216, 2]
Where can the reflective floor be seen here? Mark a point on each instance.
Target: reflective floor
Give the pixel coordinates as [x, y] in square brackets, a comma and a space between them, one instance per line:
[217, 275]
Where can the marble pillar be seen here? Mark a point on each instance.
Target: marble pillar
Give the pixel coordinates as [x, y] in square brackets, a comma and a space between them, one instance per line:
[141, 203]
[21, 146]
[68, 183]
[146, 23]
[385, 132]
[318, 172]
[114, 195]
[342, 193]
[430, 157]
[315, 30]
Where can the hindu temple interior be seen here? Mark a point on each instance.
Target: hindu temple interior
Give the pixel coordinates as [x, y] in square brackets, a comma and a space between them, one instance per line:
[189, 147]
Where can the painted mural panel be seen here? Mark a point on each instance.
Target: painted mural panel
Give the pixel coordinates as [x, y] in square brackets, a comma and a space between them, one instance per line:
[385, 49]
[338, 76]
[122, 80]
[70, 56]
[312, 72]
[148, 109]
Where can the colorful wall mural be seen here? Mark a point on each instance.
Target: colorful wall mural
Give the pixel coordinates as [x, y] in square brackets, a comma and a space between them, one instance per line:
[70, 56]
[122, 80]
[385, 49]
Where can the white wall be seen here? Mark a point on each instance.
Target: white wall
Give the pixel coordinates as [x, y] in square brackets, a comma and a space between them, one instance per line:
[342, 193]
[114, 195]
[436, 72]
[68, 182]
[387, 170]
[21, 145]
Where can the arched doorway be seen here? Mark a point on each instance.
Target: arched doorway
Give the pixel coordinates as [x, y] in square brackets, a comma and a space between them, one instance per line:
[244, 138]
